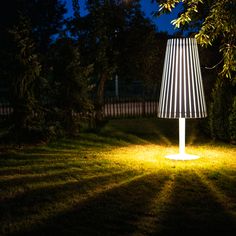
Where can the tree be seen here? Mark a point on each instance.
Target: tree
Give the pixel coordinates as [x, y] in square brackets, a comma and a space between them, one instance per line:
[216, 19]
[46, 19]
[220, 109]
[97, 35]
[118, 40]
[23, 71]
[70, 84]
[27, 28]
[142, 52]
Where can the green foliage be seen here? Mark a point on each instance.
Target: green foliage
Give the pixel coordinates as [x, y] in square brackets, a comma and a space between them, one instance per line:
[108, 35]
[218, 22]
[26, 33]
[48, 79]
[103, 22]
[46, 18]
[70, 85]
[142, 59]
[220, 109]
[96, 33]
[232, 122]
[118, 40]
[24, 71]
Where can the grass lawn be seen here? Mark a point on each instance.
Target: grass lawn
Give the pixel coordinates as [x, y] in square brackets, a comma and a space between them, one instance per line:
[118, 182]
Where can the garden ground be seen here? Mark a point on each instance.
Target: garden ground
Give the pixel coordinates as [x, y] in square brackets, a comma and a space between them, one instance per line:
[117, 181]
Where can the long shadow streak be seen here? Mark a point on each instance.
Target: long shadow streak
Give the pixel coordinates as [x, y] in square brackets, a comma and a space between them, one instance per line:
[194, 210]
[112, 212]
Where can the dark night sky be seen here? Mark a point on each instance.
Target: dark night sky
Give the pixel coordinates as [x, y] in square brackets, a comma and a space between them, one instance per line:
[162, 22]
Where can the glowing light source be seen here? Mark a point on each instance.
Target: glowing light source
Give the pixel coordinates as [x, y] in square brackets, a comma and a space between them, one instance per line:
[182, 94]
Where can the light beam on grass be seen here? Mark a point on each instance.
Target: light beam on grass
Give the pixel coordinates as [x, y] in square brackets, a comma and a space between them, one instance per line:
[182, 94]
[150, 157]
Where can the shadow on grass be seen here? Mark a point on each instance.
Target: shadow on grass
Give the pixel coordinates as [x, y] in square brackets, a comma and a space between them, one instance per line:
[195, 210]
[109, 213]
[191, 209]
[110, 201]
[221, 180]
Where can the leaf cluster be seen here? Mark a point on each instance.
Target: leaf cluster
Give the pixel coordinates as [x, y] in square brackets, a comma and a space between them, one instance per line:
[218, 23]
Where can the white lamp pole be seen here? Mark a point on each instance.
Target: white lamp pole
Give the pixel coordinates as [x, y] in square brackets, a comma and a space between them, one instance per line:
[182, 136]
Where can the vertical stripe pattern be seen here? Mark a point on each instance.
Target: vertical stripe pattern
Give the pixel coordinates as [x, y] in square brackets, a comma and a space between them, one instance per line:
[182, 94]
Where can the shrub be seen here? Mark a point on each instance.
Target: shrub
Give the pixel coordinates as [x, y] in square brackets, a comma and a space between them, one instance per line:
[220, 109]
[232, 122]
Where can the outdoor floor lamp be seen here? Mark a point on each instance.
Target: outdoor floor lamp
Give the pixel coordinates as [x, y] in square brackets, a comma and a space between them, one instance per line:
[182, 94]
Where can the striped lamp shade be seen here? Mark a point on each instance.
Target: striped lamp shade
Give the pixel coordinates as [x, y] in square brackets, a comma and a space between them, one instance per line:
[182, 94]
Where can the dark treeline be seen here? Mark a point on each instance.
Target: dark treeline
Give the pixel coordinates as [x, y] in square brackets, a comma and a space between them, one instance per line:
[52, 67]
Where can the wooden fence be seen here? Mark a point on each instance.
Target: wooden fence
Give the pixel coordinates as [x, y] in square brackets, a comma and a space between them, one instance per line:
[5, 111]
[129, 107]
[112, 108]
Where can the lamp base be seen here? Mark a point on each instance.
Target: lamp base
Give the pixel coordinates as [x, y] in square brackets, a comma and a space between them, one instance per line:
[182, 157]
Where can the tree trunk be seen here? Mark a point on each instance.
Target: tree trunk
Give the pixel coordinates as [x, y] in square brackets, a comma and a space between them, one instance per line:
[100, 98]
[69, 124]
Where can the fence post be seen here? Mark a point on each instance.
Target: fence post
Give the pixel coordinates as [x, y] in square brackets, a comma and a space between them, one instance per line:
[143, 107]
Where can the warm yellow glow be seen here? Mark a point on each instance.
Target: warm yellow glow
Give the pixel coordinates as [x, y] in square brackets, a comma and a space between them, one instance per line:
[182, 157]
[152, 157]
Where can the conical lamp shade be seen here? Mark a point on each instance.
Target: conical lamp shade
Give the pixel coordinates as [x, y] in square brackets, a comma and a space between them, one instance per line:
[182, 94]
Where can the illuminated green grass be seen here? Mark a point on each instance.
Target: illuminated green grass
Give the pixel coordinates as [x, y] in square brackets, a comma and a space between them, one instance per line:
[118, 182]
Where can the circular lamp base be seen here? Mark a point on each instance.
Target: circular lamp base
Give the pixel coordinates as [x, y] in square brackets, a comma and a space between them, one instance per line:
[182, 157]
